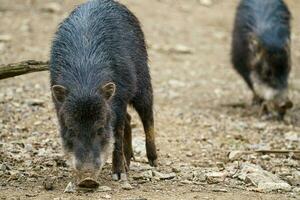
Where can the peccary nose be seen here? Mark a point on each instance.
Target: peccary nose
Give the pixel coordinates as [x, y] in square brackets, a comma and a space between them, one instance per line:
[288, 104]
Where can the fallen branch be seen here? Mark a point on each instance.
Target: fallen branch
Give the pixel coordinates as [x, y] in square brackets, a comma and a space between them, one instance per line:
[25, 67]
[278, 151]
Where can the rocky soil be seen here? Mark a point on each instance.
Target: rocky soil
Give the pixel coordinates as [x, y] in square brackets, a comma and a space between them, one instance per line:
[212, 144]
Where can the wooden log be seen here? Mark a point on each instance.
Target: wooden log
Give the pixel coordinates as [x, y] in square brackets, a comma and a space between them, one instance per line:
[25, 67]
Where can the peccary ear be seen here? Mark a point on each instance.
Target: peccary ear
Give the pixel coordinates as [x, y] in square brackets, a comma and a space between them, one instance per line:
[108, 90]
[59, 93]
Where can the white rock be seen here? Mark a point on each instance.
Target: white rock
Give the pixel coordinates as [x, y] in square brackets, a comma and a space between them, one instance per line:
[147, 174]
[106, 196]
[292, 136]
[205, 2]
[264, 180]
[215, 177]
[296, 190]
[5, 38]
[52, 7]
[272, 186]
[104, 189]
[163, 176]
[71, 188]
[138, 144]
[181, 49]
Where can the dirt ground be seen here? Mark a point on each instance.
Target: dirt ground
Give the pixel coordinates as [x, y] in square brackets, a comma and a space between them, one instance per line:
[202, 107]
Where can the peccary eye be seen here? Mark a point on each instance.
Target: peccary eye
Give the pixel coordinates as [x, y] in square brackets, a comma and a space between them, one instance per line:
[100, 130]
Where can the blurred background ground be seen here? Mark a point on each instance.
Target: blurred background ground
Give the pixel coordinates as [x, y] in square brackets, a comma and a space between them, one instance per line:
[202, 110]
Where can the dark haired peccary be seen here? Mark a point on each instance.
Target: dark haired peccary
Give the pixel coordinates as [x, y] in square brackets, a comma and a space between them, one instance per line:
[261, 52]
[98, 66]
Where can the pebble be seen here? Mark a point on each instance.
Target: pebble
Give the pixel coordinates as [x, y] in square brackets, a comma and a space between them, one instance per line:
[264, 181]
[88, 183]
[205, 2]
[138, 145]
[106, 196]
[104, 189]
[147, 174]
[265, 157]
[71, 188]
[273, 186]
[296, 190]
[219, 190]
[5, 38]
[127, 186]
[3, 167]
[35, 102]
[186, 182]
[181, 49]
[162, 176]
[52, 7]
[215, 177]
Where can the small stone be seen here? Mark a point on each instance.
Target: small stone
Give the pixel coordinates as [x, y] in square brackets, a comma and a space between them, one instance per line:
[52, 7]
[205, 2]
[215, 177]
[147, 174]
[127, 186]
[273, 186]
[181, 49]
[264, 180]
[235, 155]
[104, 189]
[36, 102]
[5, 38]
[199, 176]
[186, 182]
[71, 188]
[220, 165]
[88, 183]
[138, 144]
[162, 176]
[3, 167]
[189, 154]
[219, 190]
[265, 157]
[37, 123]
[106, 196]
[296, 190]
